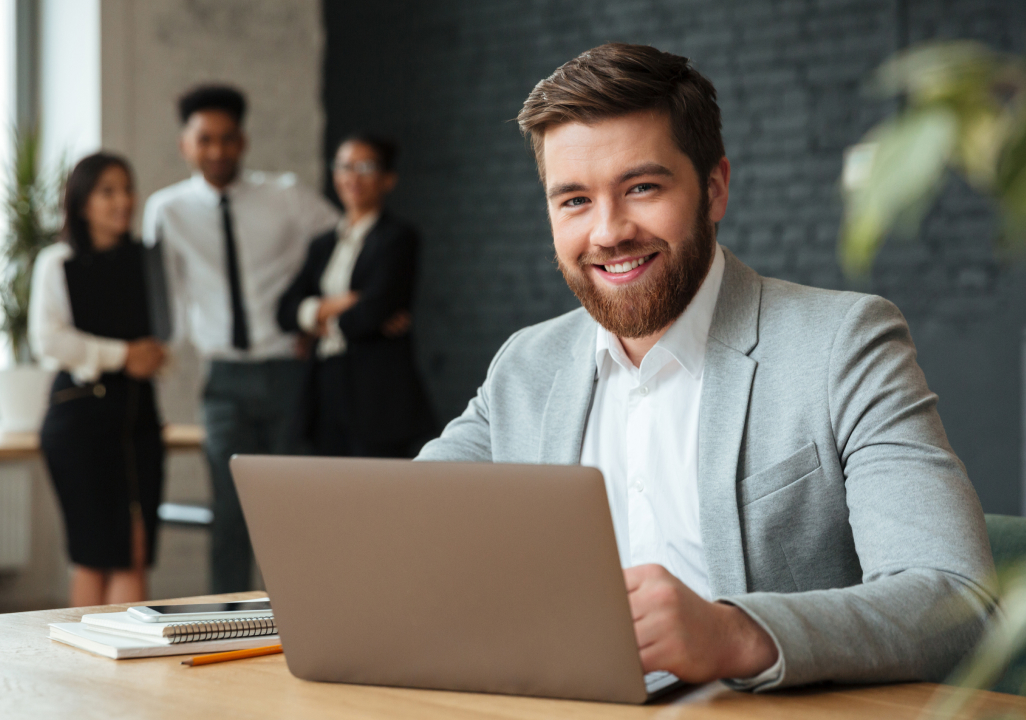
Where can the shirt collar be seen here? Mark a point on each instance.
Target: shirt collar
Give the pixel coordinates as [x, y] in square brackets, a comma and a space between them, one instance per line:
[358, 230]
[686, 338]
[209, 194]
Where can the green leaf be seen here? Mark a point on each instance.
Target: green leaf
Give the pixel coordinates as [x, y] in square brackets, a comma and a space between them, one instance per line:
[936, 71]
[32, 205]
[1002, 641]
[907, 168]
[1011, 162]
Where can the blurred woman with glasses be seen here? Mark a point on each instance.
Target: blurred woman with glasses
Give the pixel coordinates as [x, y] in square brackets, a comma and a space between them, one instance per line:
[352, 297]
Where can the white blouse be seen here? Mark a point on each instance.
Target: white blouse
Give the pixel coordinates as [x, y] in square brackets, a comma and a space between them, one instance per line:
[54, 339]
[335, 281]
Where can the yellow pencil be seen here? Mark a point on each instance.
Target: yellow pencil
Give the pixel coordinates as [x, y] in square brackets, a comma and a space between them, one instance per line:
[233, 655]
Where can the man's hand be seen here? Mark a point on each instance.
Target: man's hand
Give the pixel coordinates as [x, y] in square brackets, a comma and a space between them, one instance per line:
[144, 358]
[696, 640]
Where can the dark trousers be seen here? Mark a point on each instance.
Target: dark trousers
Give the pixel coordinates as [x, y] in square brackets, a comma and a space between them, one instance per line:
[248, 407]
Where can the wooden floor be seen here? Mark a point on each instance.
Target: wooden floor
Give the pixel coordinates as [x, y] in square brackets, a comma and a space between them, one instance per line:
[40, 678]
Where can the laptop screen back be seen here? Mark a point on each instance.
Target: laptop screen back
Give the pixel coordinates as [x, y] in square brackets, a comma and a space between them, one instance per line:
[458, 576]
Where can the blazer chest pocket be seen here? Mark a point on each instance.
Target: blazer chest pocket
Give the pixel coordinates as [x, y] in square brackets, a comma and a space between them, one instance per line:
[794, 526]
[778, 476]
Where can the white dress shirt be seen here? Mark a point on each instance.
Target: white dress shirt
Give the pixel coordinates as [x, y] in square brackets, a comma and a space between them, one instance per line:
[335, 280]
[273, 221]
[642, 433]
[55, 340]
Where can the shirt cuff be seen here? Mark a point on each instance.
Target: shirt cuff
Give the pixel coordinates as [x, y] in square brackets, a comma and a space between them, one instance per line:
[101, 355]
[768, 678]
[113, 354]
[771, 675]
[307, 315]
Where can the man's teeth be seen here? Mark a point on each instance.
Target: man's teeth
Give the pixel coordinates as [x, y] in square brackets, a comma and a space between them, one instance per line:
[625, 267]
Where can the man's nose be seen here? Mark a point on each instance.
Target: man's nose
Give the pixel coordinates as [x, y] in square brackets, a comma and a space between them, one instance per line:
[612, 226]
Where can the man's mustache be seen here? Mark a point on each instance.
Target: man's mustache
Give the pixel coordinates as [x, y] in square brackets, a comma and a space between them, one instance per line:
[627, 248]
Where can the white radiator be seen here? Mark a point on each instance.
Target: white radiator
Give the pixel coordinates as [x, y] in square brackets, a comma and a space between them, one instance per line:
[15, 515]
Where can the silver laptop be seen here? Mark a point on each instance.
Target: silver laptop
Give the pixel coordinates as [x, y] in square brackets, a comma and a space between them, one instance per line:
[453, 576]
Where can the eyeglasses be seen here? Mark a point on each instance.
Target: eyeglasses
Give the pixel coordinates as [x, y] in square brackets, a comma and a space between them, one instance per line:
[364, 168]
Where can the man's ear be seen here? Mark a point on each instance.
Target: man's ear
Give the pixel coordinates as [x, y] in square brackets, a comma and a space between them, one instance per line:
[390, 181]
[719, 190]
[181, 144]
[243, 142]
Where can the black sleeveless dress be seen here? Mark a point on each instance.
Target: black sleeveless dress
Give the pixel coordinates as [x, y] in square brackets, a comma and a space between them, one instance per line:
[102, 441]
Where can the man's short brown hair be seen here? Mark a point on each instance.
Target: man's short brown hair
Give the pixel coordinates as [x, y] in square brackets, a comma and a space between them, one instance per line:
[617, 79]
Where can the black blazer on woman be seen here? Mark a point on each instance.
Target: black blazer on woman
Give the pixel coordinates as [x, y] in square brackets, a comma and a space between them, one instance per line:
[381, 387]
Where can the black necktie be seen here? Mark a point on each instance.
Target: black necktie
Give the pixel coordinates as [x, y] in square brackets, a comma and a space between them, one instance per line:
[240, 330]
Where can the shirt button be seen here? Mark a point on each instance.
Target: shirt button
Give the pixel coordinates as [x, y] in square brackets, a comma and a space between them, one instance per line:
[639, 486]
[643, 390]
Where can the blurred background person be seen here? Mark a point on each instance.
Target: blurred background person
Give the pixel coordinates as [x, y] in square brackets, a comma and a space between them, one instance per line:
[89, 316]
[233, 240]
[363, 394]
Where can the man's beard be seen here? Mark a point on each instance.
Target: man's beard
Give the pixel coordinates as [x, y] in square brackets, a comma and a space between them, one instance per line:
[643, 308]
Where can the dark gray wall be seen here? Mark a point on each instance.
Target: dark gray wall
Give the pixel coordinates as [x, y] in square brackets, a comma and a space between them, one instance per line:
[447, 77]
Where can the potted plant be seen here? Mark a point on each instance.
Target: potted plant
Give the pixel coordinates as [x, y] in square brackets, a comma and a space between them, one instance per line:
[32, 205]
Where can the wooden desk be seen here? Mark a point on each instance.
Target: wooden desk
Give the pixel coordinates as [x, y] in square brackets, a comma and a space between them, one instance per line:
[40, 678]
[25, 446]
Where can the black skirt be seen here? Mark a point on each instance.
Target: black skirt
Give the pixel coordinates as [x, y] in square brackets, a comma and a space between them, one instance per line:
[103, 447]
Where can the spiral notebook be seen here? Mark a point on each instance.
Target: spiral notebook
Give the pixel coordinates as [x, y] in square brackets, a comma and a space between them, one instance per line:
[121, 623]
[121, 647]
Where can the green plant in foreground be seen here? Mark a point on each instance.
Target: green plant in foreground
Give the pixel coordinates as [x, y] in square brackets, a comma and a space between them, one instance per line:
[965, 111]
[1002, 644]
[32, 206]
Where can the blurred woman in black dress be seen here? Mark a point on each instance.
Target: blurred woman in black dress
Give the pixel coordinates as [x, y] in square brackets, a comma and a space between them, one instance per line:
[364, 396]
[89, 317]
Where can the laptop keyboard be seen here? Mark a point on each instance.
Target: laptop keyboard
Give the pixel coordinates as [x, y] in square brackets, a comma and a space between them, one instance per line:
[659, 680]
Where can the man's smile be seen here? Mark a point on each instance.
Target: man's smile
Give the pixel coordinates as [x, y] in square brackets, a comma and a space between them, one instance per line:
[625, 270]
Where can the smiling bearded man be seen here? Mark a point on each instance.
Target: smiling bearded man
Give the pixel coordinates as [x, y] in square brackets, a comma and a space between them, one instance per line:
[786, 505]
[640, 309]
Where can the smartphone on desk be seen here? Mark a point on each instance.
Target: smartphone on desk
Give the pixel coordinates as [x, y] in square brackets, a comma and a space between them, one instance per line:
[239, 610]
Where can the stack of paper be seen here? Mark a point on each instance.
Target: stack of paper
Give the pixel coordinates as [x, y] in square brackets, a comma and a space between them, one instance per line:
[119, 635]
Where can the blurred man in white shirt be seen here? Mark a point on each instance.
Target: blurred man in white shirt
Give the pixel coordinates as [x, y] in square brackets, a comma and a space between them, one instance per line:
[232, 241]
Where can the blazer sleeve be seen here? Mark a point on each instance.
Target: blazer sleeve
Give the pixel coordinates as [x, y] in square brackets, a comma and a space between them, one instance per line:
[388, 286]
[468, 438]
[928, 585]
[306, 284]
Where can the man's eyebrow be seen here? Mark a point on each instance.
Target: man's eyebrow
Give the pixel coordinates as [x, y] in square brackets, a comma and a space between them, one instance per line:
[570, 187]
[646, 169]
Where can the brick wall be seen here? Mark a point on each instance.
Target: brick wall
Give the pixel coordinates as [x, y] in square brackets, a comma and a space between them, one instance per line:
[447, 77]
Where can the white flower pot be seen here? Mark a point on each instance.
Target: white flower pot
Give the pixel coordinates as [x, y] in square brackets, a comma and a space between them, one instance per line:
[24, 394]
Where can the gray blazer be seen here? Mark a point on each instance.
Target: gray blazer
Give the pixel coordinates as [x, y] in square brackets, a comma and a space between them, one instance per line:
[833, 509]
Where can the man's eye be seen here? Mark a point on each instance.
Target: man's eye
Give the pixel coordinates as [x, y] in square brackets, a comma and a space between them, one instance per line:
[643, 188]
[575, 202]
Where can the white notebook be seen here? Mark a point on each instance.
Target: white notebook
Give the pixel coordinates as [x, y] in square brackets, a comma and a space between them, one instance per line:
[122, 623]
[120, 647]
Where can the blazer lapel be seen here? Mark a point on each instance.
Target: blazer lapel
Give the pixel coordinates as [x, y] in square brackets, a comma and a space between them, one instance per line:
[569, 402]
[726, 387]
[370, 243]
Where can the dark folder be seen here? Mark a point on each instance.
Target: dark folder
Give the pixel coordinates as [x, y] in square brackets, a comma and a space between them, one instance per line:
[156, 290]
